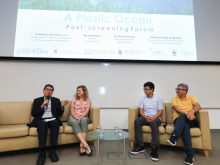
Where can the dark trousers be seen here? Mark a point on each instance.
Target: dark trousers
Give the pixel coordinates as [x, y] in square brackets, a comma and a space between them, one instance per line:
[42, 129]
[139, 122]
[182, 128]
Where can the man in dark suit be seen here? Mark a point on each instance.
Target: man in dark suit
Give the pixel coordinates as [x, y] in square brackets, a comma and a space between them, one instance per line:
[46, 111]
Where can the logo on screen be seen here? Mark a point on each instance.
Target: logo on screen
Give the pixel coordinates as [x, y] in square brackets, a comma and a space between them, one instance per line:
[120, 52]
[157, 52]
[186, 53]
[55, 50]
[87, 51]
[131, 52]
[174, 52]
[32, 51]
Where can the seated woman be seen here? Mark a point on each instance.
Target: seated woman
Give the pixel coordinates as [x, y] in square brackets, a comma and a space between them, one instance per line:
[79, 117]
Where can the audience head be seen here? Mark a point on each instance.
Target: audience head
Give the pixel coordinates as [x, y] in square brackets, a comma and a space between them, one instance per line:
[81, 91]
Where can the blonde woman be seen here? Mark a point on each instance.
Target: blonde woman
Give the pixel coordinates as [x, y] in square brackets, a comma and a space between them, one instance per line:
[79, 117]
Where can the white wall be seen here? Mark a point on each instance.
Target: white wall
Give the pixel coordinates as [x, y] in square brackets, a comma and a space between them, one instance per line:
[114, 117]
[123, 83]
[111, 117]
[24, 80]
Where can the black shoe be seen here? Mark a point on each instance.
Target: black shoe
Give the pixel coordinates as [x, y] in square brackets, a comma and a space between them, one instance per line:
[53, 156]
[81, 151]
[137, 149]
[172, 140]
[153, 155]
[89, 150]
[189, 160]
[41, 158]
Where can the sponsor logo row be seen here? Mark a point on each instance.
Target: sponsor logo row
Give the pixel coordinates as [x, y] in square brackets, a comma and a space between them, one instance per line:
[55, 50]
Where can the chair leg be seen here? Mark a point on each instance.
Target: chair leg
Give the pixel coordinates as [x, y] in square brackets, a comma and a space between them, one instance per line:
[132, 144]
[206, 152]
[94, 143]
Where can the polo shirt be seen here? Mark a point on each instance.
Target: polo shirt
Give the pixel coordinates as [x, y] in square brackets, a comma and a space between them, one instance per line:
[185, 105]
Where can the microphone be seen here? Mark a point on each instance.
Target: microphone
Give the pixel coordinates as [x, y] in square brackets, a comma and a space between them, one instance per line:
[48, 98]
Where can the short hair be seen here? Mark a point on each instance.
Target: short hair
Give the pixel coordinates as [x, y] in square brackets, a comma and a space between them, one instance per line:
[85, 90]
[49, 85]
[150, 85]
[184, 86]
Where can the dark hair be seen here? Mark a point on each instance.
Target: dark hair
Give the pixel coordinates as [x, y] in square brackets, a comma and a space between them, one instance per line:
[49, 85]
[149, 84]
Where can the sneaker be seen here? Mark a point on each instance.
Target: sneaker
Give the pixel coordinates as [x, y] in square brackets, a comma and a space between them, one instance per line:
[153, 155]
[137, 149]
[189, 160]
[172, 140]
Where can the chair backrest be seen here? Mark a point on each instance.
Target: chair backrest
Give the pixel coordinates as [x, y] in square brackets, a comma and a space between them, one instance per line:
[15, 112]
[163, 116]
[169, 113]
[66, 113]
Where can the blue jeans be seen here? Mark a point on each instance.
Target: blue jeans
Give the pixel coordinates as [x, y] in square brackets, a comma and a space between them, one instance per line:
[182, 128]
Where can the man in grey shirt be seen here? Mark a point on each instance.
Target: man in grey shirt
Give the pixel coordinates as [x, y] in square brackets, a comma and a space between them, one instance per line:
[150, 110]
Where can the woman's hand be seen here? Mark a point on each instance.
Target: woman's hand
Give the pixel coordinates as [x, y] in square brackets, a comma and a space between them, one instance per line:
[79, 119]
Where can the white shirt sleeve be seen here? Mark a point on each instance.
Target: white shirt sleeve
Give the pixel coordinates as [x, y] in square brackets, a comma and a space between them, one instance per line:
[141, 103]
[160, 104]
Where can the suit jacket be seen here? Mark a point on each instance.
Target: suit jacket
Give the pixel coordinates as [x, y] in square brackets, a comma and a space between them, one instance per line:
[37, 112]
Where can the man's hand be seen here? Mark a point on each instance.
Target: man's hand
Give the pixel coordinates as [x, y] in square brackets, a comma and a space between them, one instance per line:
[190, 115]
[149, 119]
[45, 103]
[63, 103]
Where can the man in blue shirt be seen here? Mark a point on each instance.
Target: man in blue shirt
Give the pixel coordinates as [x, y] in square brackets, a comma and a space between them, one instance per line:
[150, 110]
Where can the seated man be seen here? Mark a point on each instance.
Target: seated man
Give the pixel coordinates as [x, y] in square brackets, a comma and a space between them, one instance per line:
[184, 107]
[150, 109]
[46, 111]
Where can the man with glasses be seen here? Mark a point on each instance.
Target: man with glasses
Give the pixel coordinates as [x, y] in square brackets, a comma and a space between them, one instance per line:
[150, 110]
[184, 109]
[46, 111]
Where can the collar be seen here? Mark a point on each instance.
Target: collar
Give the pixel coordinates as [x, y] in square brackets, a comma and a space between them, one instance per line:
[150, 97]
[46, 98]
[187, 97]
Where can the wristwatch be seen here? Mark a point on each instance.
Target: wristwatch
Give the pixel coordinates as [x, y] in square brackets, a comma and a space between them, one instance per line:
[194, 110]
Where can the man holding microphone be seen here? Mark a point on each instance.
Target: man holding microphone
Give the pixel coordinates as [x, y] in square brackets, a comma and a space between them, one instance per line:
[46, 111]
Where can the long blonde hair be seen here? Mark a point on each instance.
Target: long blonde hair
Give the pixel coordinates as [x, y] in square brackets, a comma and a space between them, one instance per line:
[85, 90]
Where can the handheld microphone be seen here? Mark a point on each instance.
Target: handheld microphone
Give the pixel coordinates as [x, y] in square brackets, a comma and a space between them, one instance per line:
[48, 98]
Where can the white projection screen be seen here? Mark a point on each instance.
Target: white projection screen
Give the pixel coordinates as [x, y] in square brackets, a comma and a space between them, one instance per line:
[105, 29]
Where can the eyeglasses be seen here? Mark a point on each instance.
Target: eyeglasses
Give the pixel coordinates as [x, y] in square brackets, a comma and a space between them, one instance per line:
[178, 89]
[51, 90]
[146, 89]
